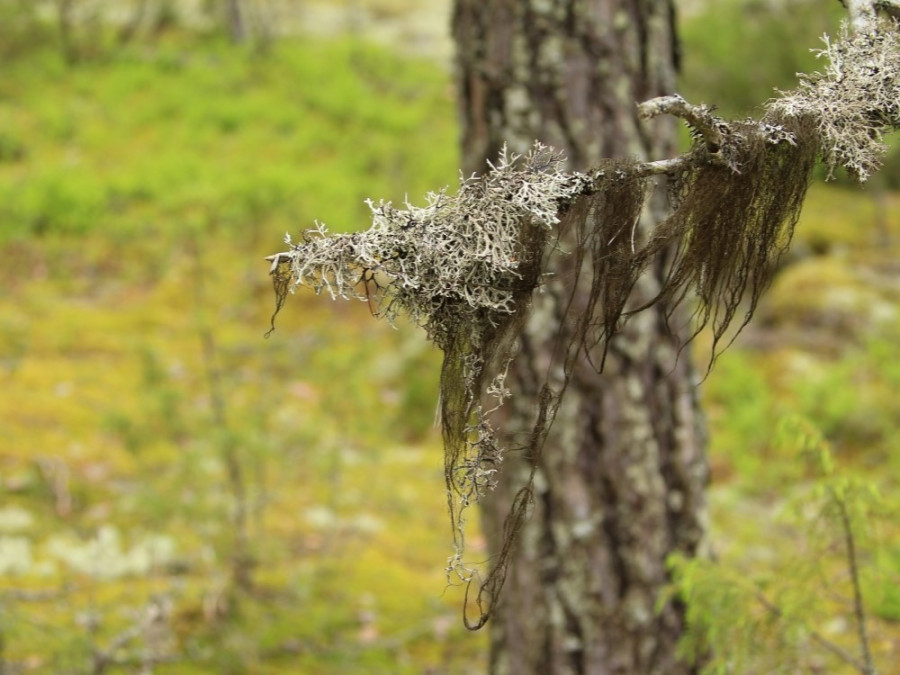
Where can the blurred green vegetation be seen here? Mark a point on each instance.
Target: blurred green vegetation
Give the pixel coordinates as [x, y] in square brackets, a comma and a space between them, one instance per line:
[795, 603]
[138, 195]
[819, 358]
[737, 53]
[172, 484]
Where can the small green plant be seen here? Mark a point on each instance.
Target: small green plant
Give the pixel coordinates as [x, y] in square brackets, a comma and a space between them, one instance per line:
[810, 609]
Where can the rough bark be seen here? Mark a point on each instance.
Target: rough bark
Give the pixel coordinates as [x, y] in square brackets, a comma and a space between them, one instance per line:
[621, 480]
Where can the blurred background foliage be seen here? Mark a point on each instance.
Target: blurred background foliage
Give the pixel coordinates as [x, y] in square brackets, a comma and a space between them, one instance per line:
[179, 494]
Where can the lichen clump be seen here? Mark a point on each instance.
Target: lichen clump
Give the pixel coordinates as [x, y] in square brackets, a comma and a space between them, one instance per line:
[459, 258]
[464, 267]
[854, 100]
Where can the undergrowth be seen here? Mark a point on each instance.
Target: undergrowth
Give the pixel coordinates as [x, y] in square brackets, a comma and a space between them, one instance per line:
[148, 138]
[119, 482]
[822, 602]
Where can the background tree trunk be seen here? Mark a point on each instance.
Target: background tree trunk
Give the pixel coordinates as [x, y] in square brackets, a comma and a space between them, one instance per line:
[65, 22]
[621, 481]
[235, 18]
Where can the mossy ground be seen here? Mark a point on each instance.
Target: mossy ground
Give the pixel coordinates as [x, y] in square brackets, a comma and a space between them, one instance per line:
[134, 225]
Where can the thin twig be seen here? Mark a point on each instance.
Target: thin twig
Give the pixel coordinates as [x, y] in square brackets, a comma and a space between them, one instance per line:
[868, 666]
[816, 637]
[242, 559]
[25, 595]
[155, 612]
[699, 117]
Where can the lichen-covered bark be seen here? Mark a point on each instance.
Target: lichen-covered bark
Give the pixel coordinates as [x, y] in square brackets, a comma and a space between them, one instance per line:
[621, 479]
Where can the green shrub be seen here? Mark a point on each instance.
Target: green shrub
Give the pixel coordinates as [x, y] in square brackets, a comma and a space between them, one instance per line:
[810, 597]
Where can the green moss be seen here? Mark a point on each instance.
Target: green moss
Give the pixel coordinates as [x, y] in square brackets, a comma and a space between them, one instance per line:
[827, 294]
[235, 135]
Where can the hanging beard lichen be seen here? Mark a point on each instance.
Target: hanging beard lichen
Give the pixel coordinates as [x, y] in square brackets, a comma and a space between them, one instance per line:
[733, 222]
[465, 266]
[721, 245]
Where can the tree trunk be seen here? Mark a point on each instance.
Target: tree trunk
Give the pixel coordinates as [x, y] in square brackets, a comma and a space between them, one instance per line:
[620, 483]
[64, 21]
[235, 18]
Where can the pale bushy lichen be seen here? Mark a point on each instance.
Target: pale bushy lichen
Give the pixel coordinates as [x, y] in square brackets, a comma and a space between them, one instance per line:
[464, 249]
[854, 101]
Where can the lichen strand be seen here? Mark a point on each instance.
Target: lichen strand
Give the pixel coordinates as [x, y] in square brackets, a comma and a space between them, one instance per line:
[605, 223]
[733, 220]
[732, 224]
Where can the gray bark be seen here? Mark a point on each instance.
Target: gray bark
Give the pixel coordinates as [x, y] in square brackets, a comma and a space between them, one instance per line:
[620, 484]
[235, 18]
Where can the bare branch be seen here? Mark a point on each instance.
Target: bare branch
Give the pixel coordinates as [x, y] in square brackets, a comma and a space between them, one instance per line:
[660, 167]
[154, 614]
[699, 117]
[862, 14]
[868, 665]
[816, 636]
